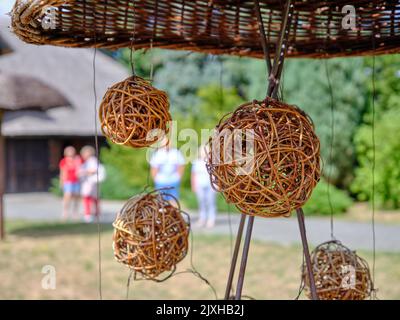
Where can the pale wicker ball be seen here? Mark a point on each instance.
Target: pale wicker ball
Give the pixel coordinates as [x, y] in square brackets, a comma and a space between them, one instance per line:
[339, 273]
[134, 113]
[150, 235]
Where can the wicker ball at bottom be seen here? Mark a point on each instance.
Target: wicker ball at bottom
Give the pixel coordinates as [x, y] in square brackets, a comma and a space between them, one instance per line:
[274, 166]
[150, 235]
[339, 273]
[134, 113]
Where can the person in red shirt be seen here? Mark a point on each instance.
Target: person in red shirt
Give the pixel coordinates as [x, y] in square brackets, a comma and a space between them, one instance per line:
[69, 181]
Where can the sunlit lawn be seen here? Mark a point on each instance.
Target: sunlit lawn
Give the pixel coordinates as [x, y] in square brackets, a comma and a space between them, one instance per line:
[272, 273]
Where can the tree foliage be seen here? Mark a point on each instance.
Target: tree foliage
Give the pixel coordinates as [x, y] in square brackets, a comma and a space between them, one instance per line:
[387, 137]
[203, 88]
[306, 84]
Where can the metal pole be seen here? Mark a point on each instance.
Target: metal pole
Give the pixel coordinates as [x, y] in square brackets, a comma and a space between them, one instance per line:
[245, 254]
[281, 48]
[235, 256]
[263, 37]
[2, 179]
[300, 218]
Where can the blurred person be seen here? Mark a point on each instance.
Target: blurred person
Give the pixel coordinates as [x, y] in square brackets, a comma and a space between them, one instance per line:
[69, 182]
[167, 167]
[91, 174]
[201, 186]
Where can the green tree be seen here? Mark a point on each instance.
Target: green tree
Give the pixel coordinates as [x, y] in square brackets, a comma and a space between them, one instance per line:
[387, 84]
[306, 85]
[387, 155]
[385, 71]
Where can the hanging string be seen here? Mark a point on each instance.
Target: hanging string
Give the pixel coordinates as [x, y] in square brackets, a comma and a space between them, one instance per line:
[302, 282]
[222, 102]
[151, 61]
[96, 141]
[373, 170]
[332, 111]
[192, 270]
[132, 48]
[128, 284]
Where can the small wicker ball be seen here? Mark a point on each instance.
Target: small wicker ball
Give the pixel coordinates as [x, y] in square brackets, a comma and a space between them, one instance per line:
[274, 169]
[339, 273]
[134, 113]
[150, 235]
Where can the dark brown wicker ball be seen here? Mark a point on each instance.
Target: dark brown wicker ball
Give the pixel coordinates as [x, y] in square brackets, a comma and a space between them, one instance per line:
[134, 113]
[339, 273]
[150, 235]
[279, 165]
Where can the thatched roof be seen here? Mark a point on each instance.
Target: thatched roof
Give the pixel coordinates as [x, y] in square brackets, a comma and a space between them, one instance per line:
[70, 72]
[24, 92]
[3, 47]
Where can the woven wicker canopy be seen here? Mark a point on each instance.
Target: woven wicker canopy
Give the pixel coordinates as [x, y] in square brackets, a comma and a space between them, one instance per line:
[212, 26]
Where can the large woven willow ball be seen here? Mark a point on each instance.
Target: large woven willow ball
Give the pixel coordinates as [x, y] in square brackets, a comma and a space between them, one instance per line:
[150, 235]
[265, 158]
[339, 273]
[134, 113]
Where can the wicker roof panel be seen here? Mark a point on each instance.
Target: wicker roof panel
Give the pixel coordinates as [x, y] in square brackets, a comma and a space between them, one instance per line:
[218, 27]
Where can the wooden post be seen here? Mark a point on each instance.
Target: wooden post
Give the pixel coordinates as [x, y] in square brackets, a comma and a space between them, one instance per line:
[2, 178]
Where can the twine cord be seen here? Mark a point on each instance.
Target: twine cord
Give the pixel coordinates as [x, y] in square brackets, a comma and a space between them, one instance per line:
[302, 282]
[332, 141]
[373, 167]
[193, 269]
[128, 284]
[151, 61]
[173, 272]
[222, 100]
[96, 141]
[132, 48]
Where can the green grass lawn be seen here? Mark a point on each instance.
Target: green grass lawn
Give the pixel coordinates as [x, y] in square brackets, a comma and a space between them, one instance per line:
[273, 271]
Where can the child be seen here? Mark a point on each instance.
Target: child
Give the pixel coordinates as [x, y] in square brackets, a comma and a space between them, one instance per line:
[69, 181]
[89, 178]
[201, 185]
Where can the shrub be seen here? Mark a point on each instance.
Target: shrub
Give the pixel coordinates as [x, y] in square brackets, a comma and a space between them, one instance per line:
[115, 186]
[128, 171]
[55, 187]
[319, 201]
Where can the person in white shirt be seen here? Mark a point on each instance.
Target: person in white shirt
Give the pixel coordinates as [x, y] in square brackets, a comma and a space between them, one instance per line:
[91, 173]
[167, 167]
[201, 186]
